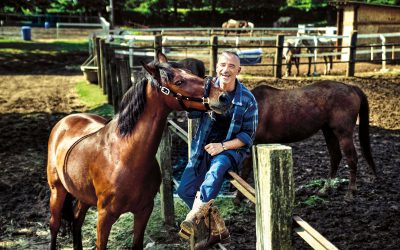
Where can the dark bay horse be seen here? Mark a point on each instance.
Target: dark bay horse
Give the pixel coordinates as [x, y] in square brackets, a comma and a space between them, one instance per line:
[293, 115]
[112, 165]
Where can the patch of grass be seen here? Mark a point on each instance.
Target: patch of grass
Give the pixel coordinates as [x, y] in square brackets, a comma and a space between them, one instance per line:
[43, 47]
[94, 99]
[313, 200]
[318, 183]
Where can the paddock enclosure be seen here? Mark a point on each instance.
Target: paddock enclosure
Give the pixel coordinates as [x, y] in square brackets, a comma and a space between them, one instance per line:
[34, 98]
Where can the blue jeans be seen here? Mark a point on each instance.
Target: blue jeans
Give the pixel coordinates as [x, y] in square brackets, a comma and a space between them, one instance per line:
[208, 178]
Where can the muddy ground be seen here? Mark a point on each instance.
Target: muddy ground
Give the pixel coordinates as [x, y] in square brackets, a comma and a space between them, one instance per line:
[35, 96]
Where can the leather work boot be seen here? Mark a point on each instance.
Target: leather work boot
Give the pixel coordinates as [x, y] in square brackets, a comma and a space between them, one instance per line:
[193, 218]
[219, 232]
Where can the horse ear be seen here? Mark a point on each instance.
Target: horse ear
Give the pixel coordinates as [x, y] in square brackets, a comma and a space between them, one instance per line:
[161, 57]
[150, 68]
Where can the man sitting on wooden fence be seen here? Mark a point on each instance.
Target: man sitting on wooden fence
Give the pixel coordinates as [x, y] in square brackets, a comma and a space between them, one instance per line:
[221, 143]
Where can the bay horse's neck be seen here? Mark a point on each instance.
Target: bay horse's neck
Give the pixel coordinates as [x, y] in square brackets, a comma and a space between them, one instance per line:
[145, 137]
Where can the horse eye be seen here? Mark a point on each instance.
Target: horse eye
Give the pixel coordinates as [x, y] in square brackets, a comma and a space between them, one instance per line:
[179, 82]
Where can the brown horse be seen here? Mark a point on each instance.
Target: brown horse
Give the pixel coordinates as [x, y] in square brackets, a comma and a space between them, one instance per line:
[296, 114]
[112, 164]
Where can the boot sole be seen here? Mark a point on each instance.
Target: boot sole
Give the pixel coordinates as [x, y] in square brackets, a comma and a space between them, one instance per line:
[187, 229]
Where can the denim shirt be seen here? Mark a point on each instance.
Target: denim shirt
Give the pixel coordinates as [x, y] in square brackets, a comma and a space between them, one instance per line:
[243, 126]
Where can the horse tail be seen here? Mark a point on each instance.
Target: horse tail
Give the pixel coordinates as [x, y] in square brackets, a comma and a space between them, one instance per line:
[67, 212]
[363, 130]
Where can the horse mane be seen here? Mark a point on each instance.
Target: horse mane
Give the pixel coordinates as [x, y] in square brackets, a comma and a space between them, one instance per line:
[134, 100]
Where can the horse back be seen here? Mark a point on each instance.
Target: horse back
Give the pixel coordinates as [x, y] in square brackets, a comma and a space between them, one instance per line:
[290, 115]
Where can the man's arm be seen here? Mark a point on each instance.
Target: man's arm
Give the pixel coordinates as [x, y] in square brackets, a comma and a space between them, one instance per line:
[244, 138]
[216, 148]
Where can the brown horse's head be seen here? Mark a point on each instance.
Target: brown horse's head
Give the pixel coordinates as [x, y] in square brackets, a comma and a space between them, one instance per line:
[183, 90]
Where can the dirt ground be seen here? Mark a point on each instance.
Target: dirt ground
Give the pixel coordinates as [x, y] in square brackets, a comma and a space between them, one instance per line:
[35, 96]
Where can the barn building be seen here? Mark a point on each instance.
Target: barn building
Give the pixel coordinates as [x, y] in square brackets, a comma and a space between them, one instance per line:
[366, 18]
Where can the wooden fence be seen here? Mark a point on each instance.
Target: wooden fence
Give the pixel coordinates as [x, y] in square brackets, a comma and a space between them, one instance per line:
[118, 56]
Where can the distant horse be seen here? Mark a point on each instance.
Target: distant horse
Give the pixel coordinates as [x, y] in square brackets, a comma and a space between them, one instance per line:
[313, 45]
[319, 45]
[112, 164]
[293, 115]
[291, 48]
[235, 25]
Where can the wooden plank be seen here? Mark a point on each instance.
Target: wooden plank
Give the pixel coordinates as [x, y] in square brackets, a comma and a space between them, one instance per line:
[243, 186]
[244, 191]
[310, 235]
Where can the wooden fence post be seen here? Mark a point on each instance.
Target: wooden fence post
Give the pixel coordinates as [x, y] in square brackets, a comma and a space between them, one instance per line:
[102, 66]
[273, 176]
[166, 190]
[278, 56]
[213, 55]
[124, 74]
[352, 54]
[98, 60]
[192, 128]
[157, 45]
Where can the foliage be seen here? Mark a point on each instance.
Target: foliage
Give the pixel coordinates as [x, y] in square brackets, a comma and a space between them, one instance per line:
[313, 200]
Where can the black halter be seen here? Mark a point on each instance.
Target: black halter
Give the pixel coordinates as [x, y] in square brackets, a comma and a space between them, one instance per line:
[204, 100]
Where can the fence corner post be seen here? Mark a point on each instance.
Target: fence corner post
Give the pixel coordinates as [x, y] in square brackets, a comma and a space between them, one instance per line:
[166, 188]
[213, 55]
[352, 54]
[278, 56]
[273, 175]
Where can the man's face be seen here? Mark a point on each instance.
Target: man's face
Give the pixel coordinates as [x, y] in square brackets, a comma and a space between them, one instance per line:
[228, 67]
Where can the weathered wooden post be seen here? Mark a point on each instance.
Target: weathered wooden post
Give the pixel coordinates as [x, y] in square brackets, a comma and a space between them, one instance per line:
[278, 56]
[166, 191]
[352, 54]
[103, 67]
[98, 60]
[273, 175]
[213, 55]
[157, 45]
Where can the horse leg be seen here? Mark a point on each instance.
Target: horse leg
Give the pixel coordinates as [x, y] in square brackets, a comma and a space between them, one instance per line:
[297, 64]
[326, 66]
[105, 220]
[330, 65]
[80, 210]
[57, 198]
[347, 145]
[309, 66]
[288, 67]
[335, 156]
[140, 223]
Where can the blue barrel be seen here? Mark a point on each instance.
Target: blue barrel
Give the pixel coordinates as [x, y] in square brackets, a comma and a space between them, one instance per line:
[250, 57]
[26, 33]
[46, 25]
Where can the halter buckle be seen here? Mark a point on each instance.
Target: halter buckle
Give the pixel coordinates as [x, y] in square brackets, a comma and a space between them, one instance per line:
[165, 90]
[206, 100]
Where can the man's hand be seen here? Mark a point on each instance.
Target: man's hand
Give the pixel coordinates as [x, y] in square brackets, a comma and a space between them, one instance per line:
[214, 148]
